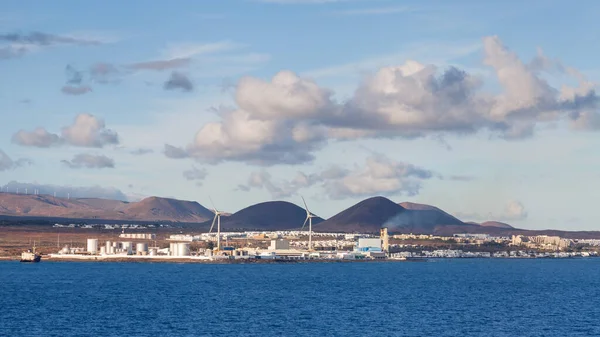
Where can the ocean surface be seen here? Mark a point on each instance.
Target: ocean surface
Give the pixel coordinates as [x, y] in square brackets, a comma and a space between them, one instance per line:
[454, 297]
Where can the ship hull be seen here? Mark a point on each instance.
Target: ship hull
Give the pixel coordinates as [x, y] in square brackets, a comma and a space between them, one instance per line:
[35, 259]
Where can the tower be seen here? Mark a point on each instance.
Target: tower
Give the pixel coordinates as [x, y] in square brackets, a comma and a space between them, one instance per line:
[385, 239]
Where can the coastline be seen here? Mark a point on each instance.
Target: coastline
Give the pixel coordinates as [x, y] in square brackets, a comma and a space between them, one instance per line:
[205, 260]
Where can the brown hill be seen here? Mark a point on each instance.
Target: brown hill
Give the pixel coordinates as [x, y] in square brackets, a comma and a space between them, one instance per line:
[105, 204]
[149, 209]
[43, 205]
[168, 210]
[497, 224]
[271, 215]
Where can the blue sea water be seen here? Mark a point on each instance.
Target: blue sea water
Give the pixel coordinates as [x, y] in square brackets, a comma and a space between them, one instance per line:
[457, 297]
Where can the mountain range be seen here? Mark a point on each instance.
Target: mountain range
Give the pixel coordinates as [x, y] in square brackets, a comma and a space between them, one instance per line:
[367, 216]
[149, 209]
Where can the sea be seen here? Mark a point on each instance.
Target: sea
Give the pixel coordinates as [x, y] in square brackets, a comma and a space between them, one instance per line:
[445, 297]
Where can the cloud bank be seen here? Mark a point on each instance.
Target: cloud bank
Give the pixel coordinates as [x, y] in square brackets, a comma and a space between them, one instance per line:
[73, 191]
[379, 175]
[287, 119]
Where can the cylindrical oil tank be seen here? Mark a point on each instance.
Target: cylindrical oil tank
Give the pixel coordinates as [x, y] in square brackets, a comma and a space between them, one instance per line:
[183, 249]
[111, 250]
[141, 247]
[173, 249]
[108, 245]
[152, 252]
[92, 246]
[127, 247]
[103, 250]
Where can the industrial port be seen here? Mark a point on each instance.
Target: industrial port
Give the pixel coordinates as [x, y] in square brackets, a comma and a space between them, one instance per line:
[282, 245]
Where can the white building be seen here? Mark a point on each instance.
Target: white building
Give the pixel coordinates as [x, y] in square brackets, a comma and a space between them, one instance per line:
[279, 244]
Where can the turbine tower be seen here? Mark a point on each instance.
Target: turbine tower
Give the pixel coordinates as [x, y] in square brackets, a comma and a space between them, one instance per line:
[217, 218]
[309, 217]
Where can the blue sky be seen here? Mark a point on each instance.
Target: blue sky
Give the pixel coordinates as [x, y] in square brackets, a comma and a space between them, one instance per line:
[484, 109]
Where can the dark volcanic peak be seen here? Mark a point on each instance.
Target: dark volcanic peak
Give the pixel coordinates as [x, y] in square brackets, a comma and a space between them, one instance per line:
[271, 215]
[371, 214]
[367, 216]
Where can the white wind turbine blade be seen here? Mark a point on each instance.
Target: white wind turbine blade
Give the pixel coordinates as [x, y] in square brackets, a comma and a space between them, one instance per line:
[213, 205]
[305, 206]
[213, 223]
[304, 224]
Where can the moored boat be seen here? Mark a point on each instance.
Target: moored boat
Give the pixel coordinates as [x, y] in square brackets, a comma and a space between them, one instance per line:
[30, 256]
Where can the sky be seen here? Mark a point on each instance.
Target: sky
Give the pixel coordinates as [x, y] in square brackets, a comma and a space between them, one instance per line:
[487, 110]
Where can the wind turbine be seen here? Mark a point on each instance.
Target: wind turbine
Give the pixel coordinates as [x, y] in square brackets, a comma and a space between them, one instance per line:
[217, 218]
[309, 217]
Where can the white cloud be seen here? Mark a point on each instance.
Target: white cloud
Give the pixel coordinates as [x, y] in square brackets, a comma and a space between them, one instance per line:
[378, 176]
[86, 131]
[256, 133]
[7, 163]
[38, 138]
[89, 131]
[195, 174]
[190, 50]
[437, 52]
[84, 160]
[287, 119]
[513, 211]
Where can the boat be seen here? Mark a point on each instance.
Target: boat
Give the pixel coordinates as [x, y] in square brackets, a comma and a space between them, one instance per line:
[30, 256]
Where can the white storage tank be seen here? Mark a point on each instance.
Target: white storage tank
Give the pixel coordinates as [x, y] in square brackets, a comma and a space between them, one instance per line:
[173, 251]
[92, 246]
[111, 250]
[108, 245]
[141, 247]
[152, 251]
[103, 250]
[183, 249]
[128, 247]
